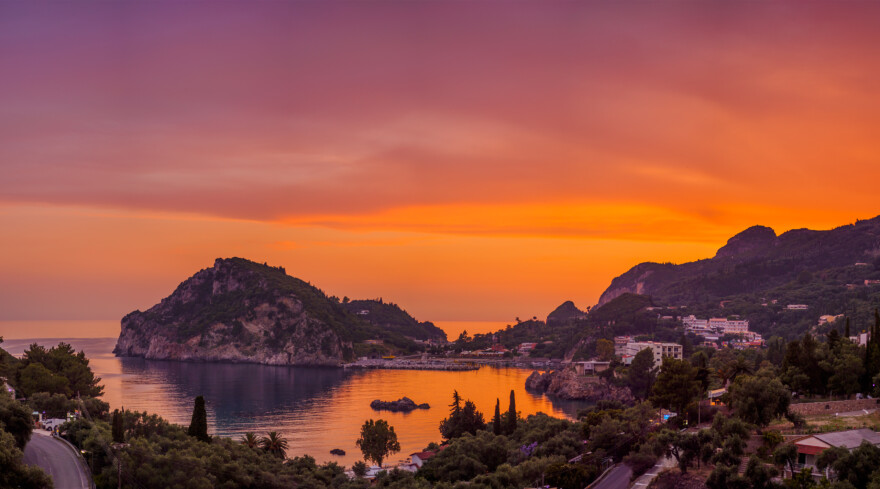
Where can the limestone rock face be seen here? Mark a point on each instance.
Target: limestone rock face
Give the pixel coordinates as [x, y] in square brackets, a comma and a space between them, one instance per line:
[567, 384]
[239, 311]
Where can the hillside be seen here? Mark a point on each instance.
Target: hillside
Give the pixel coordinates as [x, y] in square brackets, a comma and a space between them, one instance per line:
[826, 270]
[391, 317]
[570, 335]
[242, 311]
[566, 311]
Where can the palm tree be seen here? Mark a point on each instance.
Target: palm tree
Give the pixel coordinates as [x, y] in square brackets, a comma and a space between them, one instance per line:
[250, 440]
[274, 444]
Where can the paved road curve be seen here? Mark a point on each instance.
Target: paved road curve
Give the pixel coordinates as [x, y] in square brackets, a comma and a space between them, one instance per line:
[616, 478]
[57, 460]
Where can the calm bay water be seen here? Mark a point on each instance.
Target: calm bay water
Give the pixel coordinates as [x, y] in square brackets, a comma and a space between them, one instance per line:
[317, 409]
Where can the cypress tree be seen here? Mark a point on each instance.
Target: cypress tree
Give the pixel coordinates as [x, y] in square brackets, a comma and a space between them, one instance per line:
[511, 415]
[116, 427]
[198, 427]
[876, 327]
[496, 421]
[846, 331]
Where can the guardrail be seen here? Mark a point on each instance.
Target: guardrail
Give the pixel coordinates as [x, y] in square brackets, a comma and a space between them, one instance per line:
[79, 457]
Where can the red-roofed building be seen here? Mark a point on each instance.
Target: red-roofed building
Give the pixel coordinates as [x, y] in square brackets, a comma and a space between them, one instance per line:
[421, 457]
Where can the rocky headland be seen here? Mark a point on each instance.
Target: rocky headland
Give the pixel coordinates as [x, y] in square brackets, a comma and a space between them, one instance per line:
[241, 311]
[567, 384]
[403, 404]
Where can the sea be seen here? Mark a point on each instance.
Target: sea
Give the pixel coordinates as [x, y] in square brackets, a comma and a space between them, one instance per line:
[316, 409]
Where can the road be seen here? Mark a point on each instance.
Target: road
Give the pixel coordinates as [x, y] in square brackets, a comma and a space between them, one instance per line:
[617, 478]
[56, 459]
[646, 478]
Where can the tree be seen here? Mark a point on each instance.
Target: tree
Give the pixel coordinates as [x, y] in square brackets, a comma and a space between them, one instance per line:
[117, 429]
[786, 456]
[377, 441]
[760, 475]
[856, 467]
[676, 386]
[250, 440]
[15, 419]
[456, 403]
[51, 405]
[274, 444]
[13, 471]
[496, 420]
[511, 415]
[725, 477]
[198, 427]
[359, 468]
[684, 447]
[759, 400]
[641, 374]
[462, 420]
[833, 339]
[847, 368]
[63, 361]
[37, 378]
[605, 349]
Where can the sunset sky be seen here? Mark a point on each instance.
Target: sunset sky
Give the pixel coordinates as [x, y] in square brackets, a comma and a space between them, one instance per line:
[466, 160]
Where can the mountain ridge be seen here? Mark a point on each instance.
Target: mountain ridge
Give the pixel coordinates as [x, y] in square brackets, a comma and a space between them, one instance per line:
[753, 260]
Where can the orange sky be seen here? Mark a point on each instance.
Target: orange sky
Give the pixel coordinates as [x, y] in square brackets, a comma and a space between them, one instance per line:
[468, 161]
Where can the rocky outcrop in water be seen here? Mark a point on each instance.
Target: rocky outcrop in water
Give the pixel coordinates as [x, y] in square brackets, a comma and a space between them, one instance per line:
[403, 404]
[567, 384]
[241, 311]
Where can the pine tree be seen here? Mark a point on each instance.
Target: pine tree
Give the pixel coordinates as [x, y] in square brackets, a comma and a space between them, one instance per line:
[456, 403]
[116, 427]
[198, 427]
[496, 421]
[511, 415]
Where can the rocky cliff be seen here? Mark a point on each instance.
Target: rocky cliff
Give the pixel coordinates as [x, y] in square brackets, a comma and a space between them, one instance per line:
[241, 311]
[567, 384]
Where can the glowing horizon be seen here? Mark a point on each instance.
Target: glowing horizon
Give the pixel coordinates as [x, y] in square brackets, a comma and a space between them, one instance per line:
[469, 162]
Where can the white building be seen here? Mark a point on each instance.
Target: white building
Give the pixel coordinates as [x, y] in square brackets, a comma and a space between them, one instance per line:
[716, 326]
[796, 307]
[861, 339]
[660, 350]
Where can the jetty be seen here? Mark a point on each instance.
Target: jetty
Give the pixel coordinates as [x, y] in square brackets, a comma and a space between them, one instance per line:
[407, 364]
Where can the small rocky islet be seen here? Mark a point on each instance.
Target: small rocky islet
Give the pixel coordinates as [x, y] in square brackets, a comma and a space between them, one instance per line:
[404, 404]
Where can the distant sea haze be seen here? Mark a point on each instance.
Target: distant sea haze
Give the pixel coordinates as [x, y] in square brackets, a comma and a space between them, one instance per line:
[316, 409]
[110, 328]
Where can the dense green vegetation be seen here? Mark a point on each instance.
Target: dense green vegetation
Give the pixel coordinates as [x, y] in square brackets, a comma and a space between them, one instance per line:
[15, 430]
[195, 308]
[394, 319]
[16, 426]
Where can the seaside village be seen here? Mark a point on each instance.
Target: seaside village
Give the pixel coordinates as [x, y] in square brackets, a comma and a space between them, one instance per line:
[716, 333]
